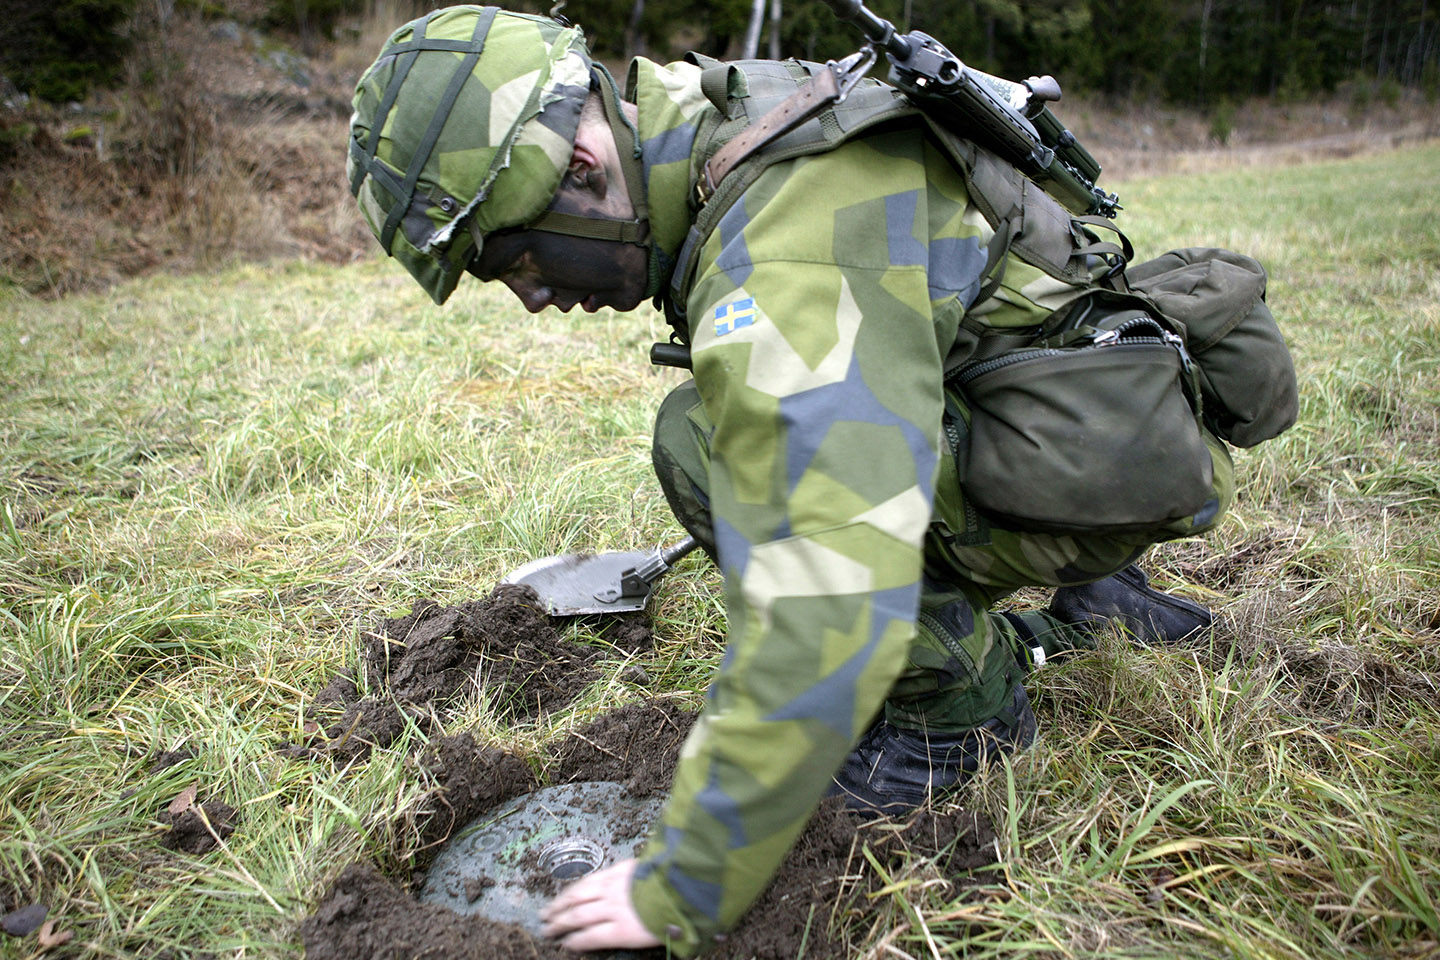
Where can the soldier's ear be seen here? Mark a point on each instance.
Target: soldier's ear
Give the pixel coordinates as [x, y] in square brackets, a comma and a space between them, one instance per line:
[586, 171]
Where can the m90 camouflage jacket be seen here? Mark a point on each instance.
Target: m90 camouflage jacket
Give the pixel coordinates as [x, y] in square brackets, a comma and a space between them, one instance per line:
[823, 310]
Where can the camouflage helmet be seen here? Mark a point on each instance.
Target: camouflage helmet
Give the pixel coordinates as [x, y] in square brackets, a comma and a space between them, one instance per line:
[463, 125]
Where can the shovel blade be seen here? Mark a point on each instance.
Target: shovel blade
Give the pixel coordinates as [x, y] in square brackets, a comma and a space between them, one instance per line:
[575, 584]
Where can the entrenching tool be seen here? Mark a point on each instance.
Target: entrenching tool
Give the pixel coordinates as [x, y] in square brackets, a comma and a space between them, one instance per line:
[572, 584]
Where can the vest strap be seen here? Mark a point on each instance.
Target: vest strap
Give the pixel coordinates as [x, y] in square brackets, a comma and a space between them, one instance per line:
[822, 90]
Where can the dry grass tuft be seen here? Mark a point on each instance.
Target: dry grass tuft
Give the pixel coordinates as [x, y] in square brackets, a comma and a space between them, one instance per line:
[218, 150]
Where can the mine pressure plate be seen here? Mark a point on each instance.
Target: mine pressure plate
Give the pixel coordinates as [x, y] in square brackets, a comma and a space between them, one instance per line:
[507, 864]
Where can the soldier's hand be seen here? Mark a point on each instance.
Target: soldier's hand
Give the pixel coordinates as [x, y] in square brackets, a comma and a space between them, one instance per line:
[594, 913]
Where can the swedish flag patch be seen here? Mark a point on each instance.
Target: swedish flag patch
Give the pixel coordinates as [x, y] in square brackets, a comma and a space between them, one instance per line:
[730, 317]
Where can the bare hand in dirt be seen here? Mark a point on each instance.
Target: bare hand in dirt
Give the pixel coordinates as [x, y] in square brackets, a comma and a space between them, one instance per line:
[594, 913]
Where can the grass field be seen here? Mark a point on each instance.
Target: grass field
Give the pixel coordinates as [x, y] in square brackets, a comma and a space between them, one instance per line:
[212, 483]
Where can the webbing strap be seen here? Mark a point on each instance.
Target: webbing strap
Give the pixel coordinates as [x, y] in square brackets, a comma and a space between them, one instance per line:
[822, 91]
[999, 246]
[365, 155]
[437, 122]
[631, 166]
[715, 86]
[596, 228]
[454, 46]
[365, 159]
[384, 177]
[1116, 254]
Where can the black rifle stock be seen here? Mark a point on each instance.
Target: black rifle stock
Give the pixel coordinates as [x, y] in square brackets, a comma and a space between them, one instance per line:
[1007, 117]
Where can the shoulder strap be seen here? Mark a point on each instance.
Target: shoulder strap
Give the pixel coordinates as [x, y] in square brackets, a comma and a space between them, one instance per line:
[769, 111]
[793, 113]
[821, 92]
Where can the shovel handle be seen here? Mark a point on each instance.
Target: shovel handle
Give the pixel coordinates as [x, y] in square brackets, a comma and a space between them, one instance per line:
[637, 582]
[669, 555]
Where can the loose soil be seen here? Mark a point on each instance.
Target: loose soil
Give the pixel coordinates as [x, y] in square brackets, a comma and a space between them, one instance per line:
[196, 825]
[468, 780]
[504, 646]
[198, 828]
[818, 898]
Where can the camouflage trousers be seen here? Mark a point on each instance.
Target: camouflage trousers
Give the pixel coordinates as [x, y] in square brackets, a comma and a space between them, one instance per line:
[966, 657]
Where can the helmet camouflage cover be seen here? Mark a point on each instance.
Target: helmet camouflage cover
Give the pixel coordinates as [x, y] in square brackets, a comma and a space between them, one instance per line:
[463, 125]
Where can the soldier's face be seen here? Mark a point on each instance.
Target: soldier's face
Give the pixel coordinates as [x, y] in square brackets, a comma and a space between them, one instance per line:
[550, 269]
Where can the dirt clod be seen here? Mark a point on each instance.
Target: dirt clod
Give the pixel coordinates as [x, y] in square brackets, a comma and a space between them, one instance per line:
[367, 915]
[957, 841]
[341, 690]
[469, 779]
[433, 653]
[369, 724]
[198, 828]
[476, 886]
[631, 633]
[24, 921]
[166, 759]
[638, 743]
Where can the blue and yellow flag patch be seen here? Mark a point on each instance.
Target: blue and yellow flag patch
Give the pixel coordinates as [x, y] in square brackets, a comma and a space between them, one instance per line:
[730, 317]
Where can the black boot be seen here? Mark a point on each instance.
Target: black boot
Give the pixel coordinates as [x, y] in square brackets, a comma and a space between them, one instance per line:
[893, 770]
[1127, 599]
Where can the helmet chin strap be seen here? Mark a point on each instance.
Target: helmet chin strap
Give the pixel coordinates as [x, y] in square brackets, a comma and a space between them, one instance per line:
[636, 231]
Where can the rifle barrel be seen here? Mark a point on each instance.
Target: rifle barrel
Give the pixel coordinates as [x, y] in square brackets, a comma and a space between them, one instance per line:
[877, 29]
[972, 102]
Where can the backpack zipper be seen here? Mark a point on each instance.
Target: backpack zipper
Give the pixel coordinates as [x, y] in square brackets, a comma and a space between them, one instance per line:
[1122, 333]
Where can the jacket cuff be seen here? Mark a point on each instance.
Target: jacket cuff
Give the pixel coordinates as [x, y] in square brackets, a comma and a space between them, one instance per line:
[662, 914]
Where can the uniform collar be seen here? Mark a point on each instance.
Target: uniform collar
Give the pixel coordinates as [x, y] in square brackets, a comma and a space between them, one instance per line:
[669, 106]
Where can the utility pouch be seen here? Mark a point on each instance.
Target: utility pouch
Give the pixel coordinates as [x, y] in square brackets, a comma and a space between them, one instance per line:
[1246, 374]
[1095, 428]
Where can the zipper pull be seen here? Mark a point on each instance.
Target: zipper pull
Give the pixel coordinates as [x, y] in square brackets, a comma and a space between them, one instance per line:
[1174, 340]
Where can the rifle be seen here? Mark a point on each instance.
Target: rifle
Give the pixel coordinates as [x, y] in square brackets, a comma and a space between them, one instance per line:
[1009, 118]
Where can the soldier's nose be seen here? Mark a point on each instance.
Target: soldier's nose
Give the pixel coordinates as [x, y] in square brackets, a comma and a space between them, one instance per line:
[535, 299]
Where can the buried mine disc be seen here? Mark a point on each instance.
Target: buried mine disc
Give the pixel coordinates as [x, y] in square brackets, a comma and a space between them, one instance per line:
[507, 864]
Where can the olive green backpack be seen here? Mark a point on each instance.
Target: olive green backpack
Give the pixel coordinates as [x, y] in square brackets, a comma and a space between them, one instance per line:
[1095, 426]
[1092, 422]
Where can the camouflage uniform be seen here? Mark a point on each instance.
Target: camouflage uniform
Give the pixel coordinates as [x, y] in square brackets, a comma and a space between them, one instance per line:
[807, 455]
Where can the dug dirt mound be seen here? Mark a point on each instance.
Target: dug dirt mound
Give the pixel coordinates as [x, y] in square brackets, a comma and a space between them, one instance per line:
[367, 915]
[819, 897]
[504, 647]
[506, 650]
[507, 639]
[468, 779]
[821, 901]
[638, 743]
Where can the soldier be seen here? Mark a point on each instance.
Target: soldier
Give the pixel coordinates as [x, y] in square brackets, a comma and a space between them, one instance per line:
[864, 654]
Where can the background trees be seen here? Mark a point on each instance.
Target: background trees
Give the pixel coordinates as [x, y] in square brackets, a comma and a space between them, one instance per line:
[1179, 51]
[59, 49]
[1194, 52]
